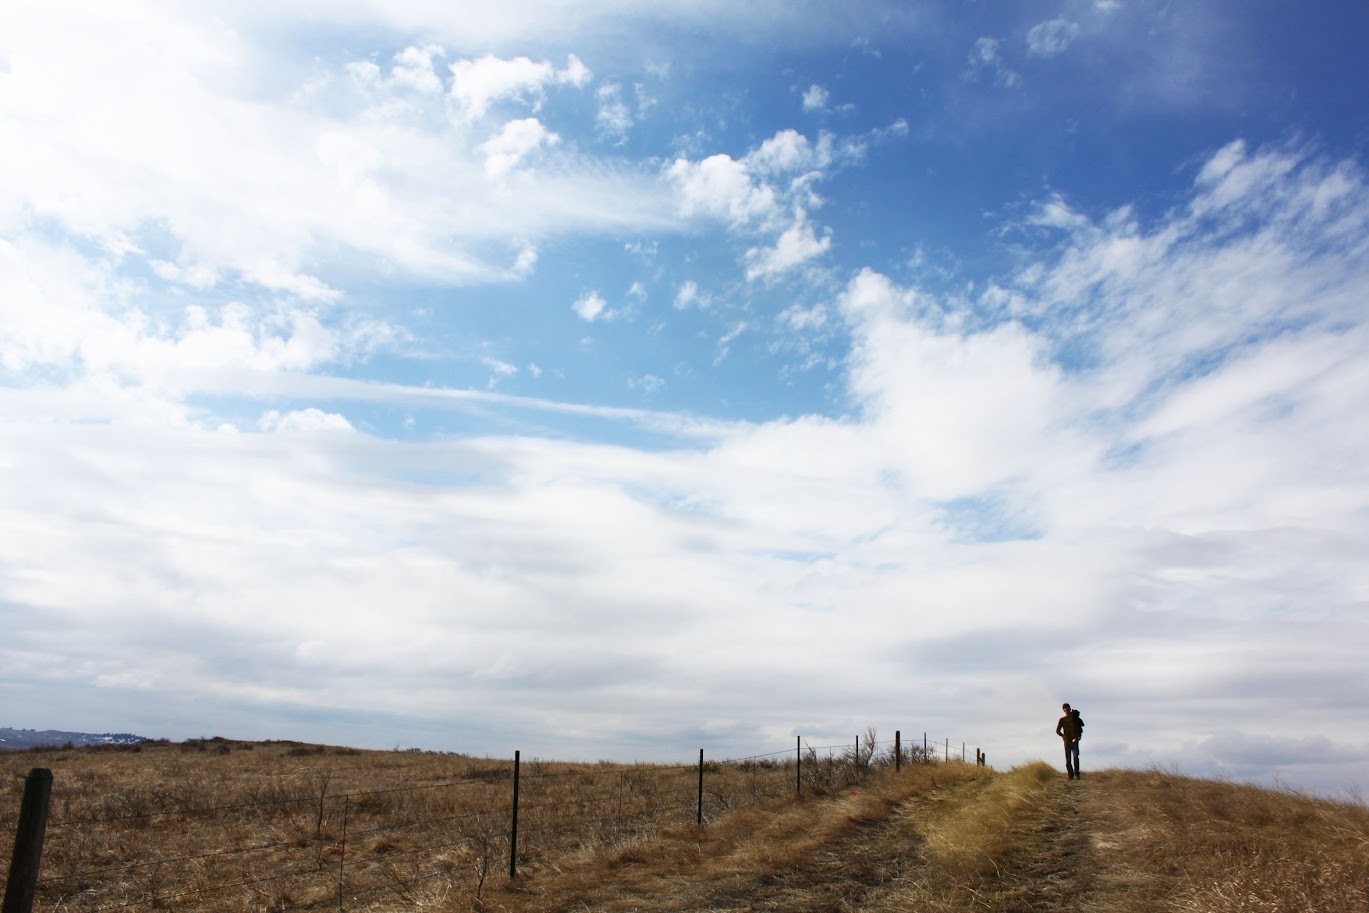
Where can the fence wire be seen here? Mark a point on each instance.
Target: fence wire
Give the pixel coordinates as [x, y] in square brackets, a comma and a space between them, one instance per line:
[333, 844]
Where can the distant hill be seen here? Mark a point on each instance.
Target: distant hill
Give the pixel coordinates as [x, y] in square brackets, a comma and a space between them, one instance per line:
[20, 739]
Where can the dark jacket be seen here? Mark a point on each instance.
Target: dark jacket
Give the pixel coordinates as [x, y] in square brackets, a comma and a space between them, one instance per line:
[1068, 728]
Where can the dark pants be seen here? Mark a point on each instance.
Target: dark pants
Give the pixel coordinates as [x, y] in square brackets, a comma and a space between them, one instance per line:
[1072, 757]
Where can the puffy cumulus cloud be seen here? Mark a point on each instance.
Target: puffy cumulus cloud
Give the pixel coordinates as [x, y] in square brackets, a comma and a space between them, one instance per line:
[591, 307]
[960, 414]
[789, 152]
[769, 193]
[1046, 39]
[415, 69]
[795, 246]
[514, 142]
[721, 187]
[815, 98]
[481, 82]
[303, 420]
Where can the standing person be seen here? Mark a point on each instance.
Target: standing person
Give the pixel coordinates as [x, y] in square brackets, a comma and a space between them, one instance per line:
[1068, 729]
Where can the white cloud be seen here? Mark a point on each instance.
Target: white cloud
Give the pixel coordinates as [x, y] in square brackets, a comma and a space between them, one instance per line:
[815, 98]
[155, 136]
[795, 246]
[414, 68]
[304, 420]
[790, 152]
[591, 307]
[614, 120]
[1135, 465]
[1047, 39]
[515, 142]
[986, 56]
[479, 83]
[721, 187]
[767, 193]
[498, 369]
[647, 384]
[688, 295]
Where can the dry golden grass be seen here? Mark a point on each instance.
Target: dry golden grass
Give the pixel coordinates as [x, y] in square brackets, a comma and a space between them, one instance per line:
[1215, 847]
[221, 826]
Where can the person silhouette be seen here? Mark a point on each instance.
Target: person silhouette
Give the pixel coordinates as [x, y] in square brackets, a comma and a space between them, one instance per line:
[1070, 728]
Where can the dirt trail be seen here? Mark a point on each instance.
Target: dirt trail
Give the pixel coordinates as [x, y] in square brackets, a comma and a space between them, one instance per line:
[1092, 856]
[1072, 856]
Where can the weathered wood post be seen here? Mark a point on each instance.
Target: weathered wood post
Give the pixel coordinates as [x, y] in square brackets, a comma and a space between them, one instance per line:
[898, 751]
[513, 829]
[798, 767]
[28, 842]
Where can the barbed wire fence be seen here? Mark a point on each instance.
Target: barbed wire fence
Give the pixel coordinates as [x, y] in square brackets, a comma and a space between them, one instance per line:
[318, 846]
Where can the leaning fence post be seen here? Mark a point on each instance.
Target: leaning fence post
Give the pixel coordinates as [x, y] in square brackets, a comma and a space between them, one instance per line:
[513, 830]
[898, 751]
[28, 841]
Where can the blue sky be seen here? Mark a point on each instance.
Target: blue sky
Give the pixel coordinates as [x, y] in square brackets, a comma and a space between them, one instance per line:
[618, 379]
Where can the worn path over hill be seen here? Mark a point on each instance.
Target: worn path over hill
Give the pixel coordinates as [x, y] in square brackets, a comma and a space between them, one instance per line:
[946, 840]
[866, 853]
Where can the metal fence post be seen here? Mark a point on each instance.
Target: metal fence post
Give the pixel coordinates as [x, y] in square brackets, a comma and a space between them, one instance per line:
[700, 821]
[342, 853]
[513, 830]
[28, 842]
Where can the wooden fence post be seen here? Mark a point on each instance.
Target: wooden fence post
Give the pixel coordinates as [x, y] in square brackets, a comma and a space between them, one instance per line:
[28, 842]
[798, 767]
[898, 751]
[513, 830]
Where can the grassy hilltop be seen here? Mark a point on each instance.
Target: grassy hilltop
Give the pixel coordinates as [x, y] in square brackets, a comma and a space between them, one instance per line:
[218, 825]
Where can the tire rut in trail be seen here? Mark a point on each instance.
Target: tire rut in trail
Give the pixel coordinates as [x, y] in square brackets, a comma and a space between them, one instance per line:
[837, 878]
[1059, 877]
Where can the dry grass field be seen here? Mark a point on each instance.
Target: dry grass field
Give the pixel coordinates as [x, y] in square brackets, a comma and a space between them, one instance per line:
[222, 826]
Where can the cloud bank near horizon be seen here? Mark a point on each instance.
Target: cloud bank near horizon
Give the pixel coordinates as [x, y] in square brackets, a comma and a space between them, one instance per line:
[250, 494]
